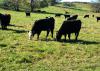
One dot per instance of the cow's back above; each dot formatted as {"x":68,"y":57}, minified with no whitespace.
{"x":44,"y":24}
{"x":70,"y":26}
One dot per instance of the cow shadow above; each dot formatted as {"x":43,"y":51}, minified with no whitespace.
{"x":15,"y":30}
{"x":3,"y":45}
{"x":72,"y":41}
{"x":14,"y":25}
{"x":47,"y":40}
{"x":79,"y":42}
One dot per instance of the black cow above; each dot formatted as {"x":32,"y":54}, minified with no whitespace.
{"x":98,"y":18}
{"x":43,"y":11}
{"x":74,"y":17}
{"x":92,"y":15}
{"x":5,"y":20}
{"x":8,"y":18}
{"x":37,"y":11}
{"x":68,"y":27}
{"x":46,"y":24}
{"x":65,"y":15}
{"x":66,"y":12}
{"x":86,"y":16}
{"x":27,"y":13}
{"x":57,"y":15}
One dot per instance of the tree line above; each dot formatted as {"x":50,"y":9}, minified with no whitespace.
{"x":31,"y":5}
{"x":26,"y":4}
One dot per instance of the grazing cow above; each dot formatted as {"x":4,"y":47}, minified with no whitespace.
{"x":92,"y":15}
{"x":27,"y":13}
{"x":57,"y":15}
{"x":8,"y":18}
{"x":46,"y":24}
{"x":66,"y":12}
{"x":5,"y":20}
{"x":43,"y":11}
{"x":98,"y":18}
{"x":65,"y":15}
{"x":86,"y":16}
{"x":37,"y":11}
{"x":74,"y":17}
{"x":68,"y":27}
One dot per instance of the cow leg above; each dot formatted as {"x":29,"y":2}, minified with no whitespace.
{"x":65,"y":36}
{"x":38,"y":34}
{"x":52,"y":33}
{"x":69,"y":36}
{"x":3,"y":27}
{"x":47,"y":34}
{"x":76,"y":34}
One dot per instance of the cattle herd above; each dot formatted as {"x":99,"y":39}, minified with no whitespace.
{"x":70,"y":25}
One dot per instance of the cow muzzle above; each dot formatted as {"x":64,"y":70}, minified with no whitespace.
{"x":30,"y":35}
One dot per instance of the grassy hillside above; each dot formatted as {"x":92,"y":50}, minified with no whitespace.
{"x":77,"y":8}
{"x":18,"y":53}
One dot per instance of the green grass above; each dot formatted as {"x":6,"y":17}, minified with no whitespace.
{"x":18,"y":53}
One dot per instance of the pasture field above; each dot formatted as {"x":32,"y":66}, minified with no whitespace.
{"x":18,"y":53}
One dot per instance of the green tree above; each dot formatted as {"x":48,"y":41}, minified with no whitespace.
{"x":32,"y":5}
{"x":16,"y":2}
{"x":26,"y":4}
{"x":12,"y":4}
{"x":44,"y":3}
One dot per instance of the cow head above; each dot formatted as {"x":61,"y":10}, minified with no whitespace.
{"x":30,"y":35}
